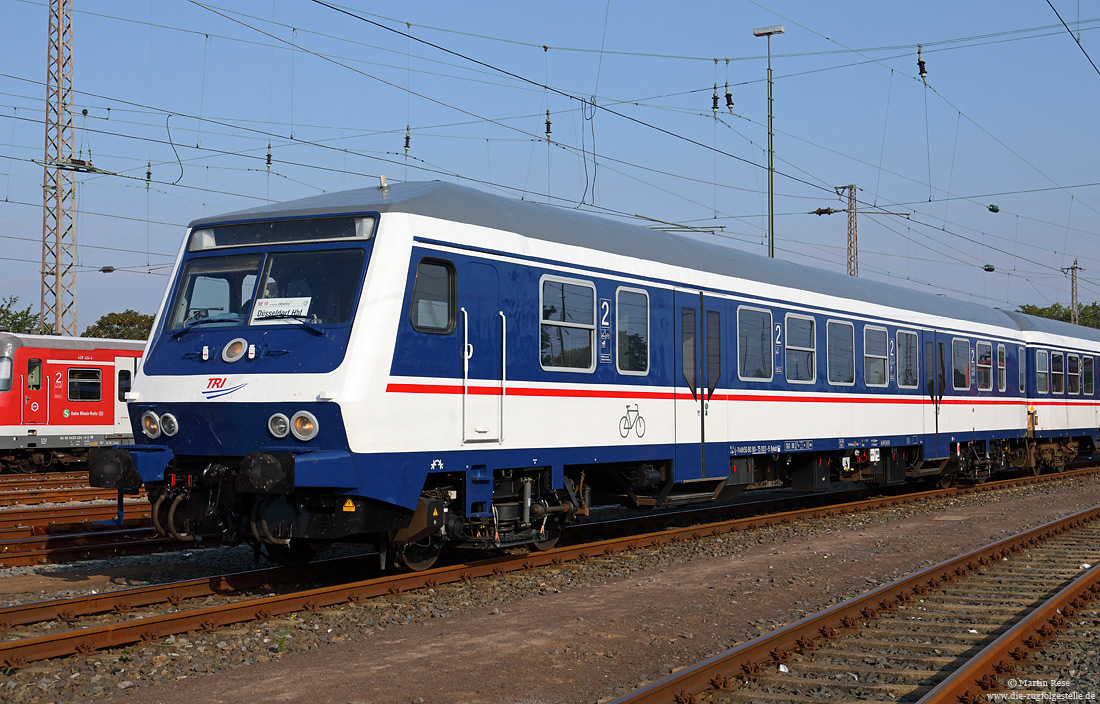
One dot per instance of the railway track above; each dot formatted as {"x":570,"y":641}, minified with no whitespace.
{"x":34,"y":489}
{"x":97,"y":544}
{"x":42,"y":520}
{"x":161,"y":620}
{"x":56,"y":480}
{"x":951,"y":633}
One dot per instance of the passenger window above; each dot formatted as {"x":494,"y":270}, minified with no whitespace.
{"x":1021,"y":358}
{"x":985,"y":366}
{"x":714,"y":350}
{"x":908,"y":374}
{"x":842,"y":352}
{"x":632,"y":331}
{"x":85,"y":385}
{"x":568,"y":328}
{"x":1002,"y":369}
{"x":433,"y":299}
{"x":800,"y":349}
{"x":1073,"y":374}
{"x":960,"y":365}
{"x":34,"y":374}
{"x":1057,"y":372}
{"x":1087,"y":375}
{"x":754,"y":344}
{"x":1042,"y":373}
{"x":875,"y":356}
{"x":125,"y":382}
{"x":688,"y":358}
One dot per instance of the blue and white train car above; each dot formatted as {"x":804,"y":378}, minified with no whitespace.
{"x":424,"y":363}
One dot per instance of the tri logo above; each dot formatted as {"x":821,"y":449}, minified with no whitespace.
{"x":216,"y":387}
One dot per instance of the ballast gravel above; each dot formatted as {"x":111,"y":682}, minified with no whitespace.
{"x":577,"y":632}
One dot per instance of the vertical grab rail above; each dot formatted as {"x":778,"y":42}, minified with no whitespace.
{"x":503,"y":369}
{"x":466,"y":354}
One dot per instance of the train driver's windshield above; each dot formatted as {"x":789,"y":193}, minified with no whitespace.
{"x":315,"y":287}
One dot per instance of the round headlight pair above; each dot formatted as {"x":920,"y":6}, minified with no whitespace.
{"x":154,"y":426}
{"x":303,"y":425}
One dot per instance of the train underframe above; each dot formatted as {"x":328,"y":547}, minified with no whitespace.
{"x":250,"y":501}
{"x":26,"y":461}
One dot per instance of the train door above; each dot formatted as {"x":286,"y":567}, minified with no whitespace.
{"x":483,"y":347}
{"x":125,"y":368}
{"x":936,"y":444}
{"x":699,"y":417}
{"x":36,"y":392}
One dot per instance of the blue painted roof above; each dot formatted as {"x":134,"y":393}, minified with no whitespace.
{"x":447,"y":201}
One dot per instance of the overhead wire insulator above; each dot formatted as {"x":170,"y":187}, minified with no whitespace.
{"x":920,"y":64}
{"x":729,"y":98}
{"x":408,"y":138}
{"x":269,"y":156}
{"x":148,"y":173}
{"x":548,"y":125}
{"x":714,"y":101}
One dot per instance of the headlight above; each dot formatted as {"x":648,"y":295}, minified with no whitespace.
{"x":278,"y":425}
{"x":304,"y":425}
{"x":234,"y":349}
{"x":150,"y":424}
{"x":168,"y":424}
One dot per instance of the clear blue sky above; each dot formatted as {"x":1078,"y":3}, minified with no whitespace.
{"x":1008,"y":117}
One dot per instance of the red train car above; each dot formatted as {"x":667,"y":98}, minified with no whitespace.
{"x":60,"y":396}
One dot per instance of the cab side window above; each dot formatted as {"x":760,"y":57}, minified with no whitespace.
{"x":433,"y":299}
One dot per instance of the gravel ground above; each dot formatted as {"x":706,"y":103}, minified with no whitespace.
{"x":573,"y":633}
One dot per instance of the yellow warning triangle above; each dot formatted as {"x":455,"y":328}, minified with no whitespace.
{"x":349,"y":505}
{"x":435,"y":512}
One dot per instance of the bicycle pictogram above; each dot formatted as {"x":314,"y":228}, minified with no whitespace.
{"x":632,"y":419}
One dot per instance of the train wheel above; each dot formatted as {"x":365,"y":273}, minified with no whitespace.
{"x":417,"y":557}
{"x":946,"y":480}
{"x":550,"y":541}
{"x":1036,"y":470}
{"x":298,"y":553}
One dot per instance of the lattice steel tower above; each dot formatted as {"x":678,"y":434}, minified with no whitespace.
{"x":58,"y":237}
{"x":853,"y":234}
{"x":1074,"y":305}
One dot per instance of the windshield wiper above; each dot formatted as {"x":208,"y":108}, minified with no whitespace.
{"x":306,"y":321}
{"x":226,"y":318}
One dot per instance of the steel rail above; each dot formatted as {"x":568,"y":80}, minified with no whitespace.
{"x":125,"y":600}
{"x":70,"y":547}
{"x":981,"y":673}
{"x":42,"y":518}
{"x":43,"y":481}
{"x":59,"y":495}
{"x":749,"y":659}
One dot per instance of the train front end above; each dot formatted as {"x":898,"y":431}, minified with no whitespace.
{"x":235,"y":411}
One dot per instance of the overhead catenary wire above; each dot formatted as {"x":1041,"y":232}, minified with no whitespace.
{"x":491,"y":179}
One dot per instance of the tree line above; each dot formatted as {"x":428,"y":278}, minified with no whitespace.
{"x":127,"y":325}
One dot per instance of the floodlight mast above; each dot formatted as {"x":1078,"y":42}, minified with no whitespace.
{"x":768,"y":32}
